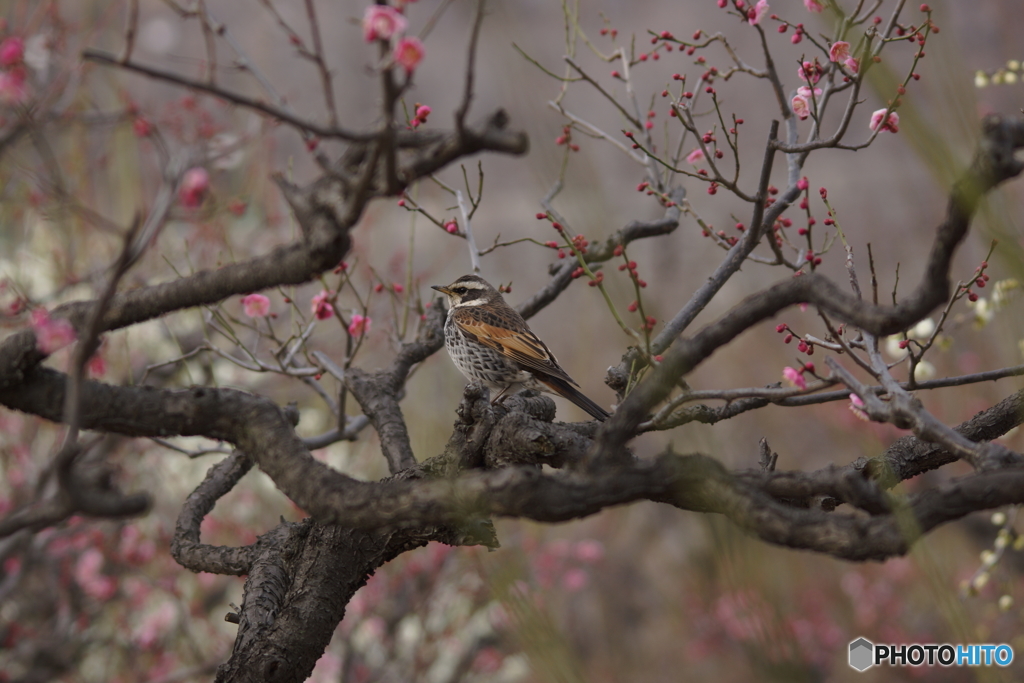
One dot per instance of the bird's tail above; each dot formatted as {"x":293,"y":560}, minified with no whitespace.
{"x":566,"y":390}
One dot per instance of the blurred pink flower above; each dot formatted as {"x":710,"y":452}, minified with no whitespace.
{"x":88,"y":574}
{"x":742,"y":615}
{"x":97,"y":365}
{"x":695,"y":156}
{"x":156,"y":623}
{"x":194,"y":185}
{"x":794,"y":377}
{"x":589,"y":551}
{"x":135,"y":548}
{"x":360,"y":325}
{"x":757,"y":12}
{"x":488,"y":660}
{"x":575,"y":579}
{"x":805,"y":92}
{"x":13,"y":88}
{"x":256,"y":305}
{"x":409,"y":53}
{"x":839,"y":51}
{"x":852,"y":64}
{"x":321,"y":307}
{"x":12,"y":51}
{"x":381,"y":22}
{"x":892,"y":124}
{"x":813,"y":6}
{"x":328,"y":669}
{"x":52,"y":334}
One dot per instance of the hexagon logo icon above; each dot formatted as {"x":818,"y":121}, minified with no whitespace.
{"x":861,"y":654}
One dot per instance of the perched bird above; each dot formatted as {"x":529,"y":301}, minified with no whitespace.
{"x":491,"y":343}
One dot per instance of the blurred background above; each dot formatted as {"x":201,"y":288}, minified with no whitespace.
{"x":641,"y":593}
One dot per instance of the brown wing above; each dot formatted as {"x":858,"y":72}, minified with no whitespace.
{"x":511,"y":337}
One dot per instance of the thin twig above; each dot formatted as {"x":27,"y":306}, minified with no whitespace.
{"x":331,"y":132}
{"x":325,"y":73}
{"x":467,"y":93}
{"x":474,"y":254}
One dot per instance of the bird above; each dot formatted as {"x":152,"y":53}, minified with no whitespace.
{"x":491,"y":343}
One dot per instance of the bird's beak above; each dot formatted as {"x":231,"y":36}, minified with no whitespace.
{"x":443,"y":290}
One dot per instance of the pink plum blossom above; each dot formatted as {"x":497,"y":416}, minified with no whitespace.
{"x":892,"y":124}
{"x":809,"y":72}
{"x":256,"y":305}
{"x":321,"y":307}
{"x":839,"y":51}
{"x":807,"y":93}
{"x":695,"y":156}
{"x":800,"y":107}
{"x":422,"y":112}
{"x":194,"y":185}
{"x":360,"y":325}
{"x":794,"y":377}
{"x":813,"y":6}
{"x":382,"y":22}
{"x":757,"y":12}
{"x":141,"y":127}
{"x":12,"y":51}
{"x":52,"y":334}
{"x":857,"y":407}
{"x":409,"y":53}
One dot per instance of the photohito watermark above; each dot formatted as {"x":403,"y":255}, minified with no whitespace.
{"x":865,"y":654}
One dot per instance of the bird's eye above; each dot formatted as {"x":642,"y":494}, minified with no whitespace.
{"x":459,"y":290}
